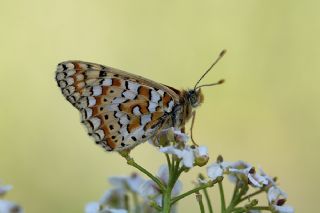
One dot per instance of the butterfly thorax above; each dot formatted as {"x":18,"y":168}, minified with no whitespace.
{"x":190,"y":100}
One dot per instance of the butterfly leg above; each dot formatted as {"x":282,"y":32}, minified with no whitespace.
{"x":191,"y":128}
{"x":155,"y":139}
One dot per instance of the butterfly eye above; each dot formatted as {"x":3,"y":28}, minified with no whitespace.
{"x":193,"y":98}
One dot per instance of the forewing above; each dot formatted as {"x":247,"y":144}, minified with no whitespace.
{"x":119,"y":109}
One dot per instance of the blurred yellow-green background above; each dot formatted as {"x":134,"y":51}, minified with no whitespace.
{"x":267,"y":113}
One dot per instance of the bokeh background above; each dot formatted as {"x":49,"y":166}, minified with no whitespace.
{"x":267,"y":113}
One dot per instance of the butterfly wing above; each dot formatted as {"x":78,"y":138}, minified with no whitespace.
{"x":119,"y":109}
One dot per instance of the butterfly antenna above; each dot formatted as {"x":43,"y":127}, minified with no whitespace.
{"x":214,"y":63}
{"x":209,"y":85}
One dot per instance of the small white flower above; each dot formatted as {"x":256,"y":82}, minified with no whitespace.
{"x":95,"y":207}
{"x":4,"y":189}
{"x":114,"y":198}
{"x":275,"y":193}
{"x":201,"y":155}
{"x":132,"y":182}
{"x":163,"y":173}
{"x":245,"y":172}
{"x":218,"y":168}
{"x":277,"y":199}
{"x":149,"y":189}
{"x":201,"y":151}
{"x":9,"y":207}
{"x":215,"y":170}
{"x":180,"y":137}
{"x":270,"y":179}
{"x":186,"y":154}
{"x":171,"y":150}
{"x":255,"y":179}
{"x":284,"y":209}
{"x":92,"y":207}
{"x":107,"y":210}
{"x":187,"y":157}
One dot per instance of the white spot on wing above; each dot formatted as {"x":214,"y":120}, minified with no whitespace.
{"x":59,"y":68}
{"x":124,"y":120}
{"x":60,"y":76}
{"x":160,"y":92}
{"x":136,"y":110}
{"x":71,"y":72}
{"x":81,"y":84}
{"x":69,"y":90}
{"x":70,"y":81}
{"x":100,"y":133}
{"x":70,"y":65}
{"x":97,"y":90}
{"x":118,"y":100}
{"x":76,"y":95}
{"x":62,"y":84}
{"x":138,"y":134}
{"x":91,"y":101}
{"x":107,"y":82}
{"x":87,"y":114}
{"x":152,"y":106}
{"x":95,"y":122}
{"x":155,"y":97}
{"x":145,"y":119}
{"x":124,"y":132}
{"x":170,"y":106}
{"x":79,"y":77}
{"x":119,"y":114}
{"x":113,"y":107}
{"x":133,"y":86}
{"x":83,"y":66}
{"x":129,"y":95}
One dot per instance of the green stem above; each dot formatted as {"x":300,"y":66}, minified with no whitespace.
{"x":206,"y":195}
{"x":166,"y":200}
{"x":174,"y":174}
{"x":126,"y":202}
{"x":267,"y":208}
{"x":155,"y":205}
{"x":131,"y":162}
{"x":237,"y":197}
{"x":235,"y":191}
{"x":203,"y":186}
{"x":199,"y":199}
{"x":136,"y":203}
{"x":246,"y":208}
{"x":177,"y":172}
{"x":223,"y":201}
{"x":168,"y":162}
{"x":251,"y":195}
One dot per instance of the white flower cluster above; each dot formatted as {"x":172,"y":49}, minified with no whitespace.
{"x":243,"y":173}
{"x":7,"y":206}
{"x":135,"y":194}
{"x":190,"y":155}
{"x":143,"y":192}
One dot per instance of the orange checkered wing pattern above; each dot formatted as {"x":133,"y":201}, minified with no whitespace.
{"x":119,"y":109}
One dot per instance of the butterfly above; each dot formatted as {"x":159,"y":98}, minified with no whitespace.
{"x":121,"y":110}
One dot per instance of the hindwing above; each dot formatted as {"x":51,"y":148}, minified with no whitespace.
{"x":119,"y":109}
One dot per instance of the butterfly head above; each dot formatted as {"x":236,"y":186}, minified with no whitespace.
{"x":194,"y":97}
